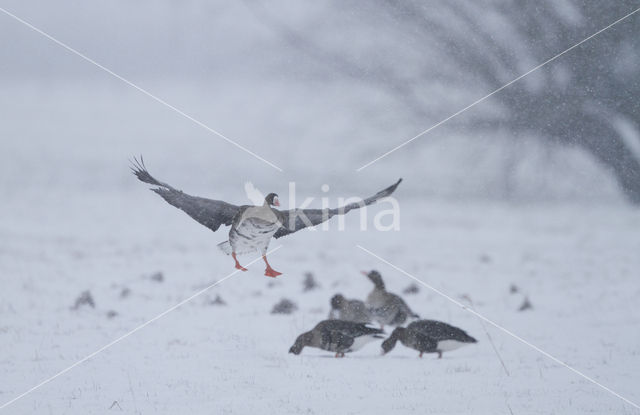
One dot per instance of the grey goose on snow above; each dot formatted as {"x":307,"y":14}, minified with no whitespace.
{"x":349,"y":310}
{"x":252,"y":227}
{"x":337,"y":336}
{"x":385,"y":307}
{"x":428,"y":336}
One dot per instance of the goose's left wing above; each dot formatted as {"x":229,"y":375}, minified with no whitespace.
{"x":296,"y":219}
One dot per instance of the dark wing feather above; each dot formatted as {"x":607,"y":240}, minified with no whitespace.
{"x":208,"y":212}
{"x":438,"y":330}
{"x":336,"y":340}
{"x":421,"y":342}
{"x":402,"y":305}
{"x":348,"y":328}
{"x":296,"y":219}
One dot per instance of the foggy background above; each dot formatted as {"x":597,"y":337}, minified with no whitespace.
{"x":320,"y":89}
{"x":529,"y":197}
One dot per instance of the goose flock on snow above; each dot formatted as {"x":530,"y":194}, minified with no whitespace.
{"x":348,"y":329}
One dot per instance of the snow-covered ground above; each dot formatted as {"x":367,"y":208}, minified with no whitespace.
{"x":73,"y":219}
{"x":578,"y":265}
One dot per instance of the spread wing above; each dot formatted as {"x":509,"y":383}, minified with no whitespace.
{"x":296,"y":219}
{"x":208,"y":212}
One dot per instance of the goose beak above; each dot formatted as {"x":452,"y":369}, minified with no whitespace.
{"x":276,"y":203}
{"x":365,"y":273}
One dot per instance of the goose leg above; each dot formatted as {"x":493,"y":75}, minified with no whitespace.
{"x":238,"y":266}
{"x":270,"y":272}
{"x":420,"y":355}
{"x":439,"y":354}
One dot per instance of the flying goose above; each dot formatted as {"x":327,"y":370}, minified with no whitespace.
{"x":252,"y":227}
{"x":349,"y":310}
{"x":428,"y":336}
{"x":385,"y":307}
{"x":337,"y":336}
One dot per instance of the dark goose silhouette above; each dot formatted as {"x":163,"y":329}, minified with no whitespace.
{"x":428,"y":336}
{"x":337,"y":336}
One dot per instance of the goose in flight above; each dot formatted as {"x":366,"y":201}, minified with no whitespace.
{"x":252,"y":227}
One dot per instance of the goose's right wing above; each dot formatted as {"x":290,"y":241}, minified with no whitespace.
{"x":208,"y":212}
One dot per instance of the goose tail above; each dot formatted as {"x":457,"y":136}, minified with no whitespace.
{"x":225,"y":247}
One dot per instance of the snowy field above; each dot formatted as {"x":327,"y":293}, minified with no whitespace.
{"x":482,"y":210}
{"x":578,"y":265}
{"x":73,"y":219}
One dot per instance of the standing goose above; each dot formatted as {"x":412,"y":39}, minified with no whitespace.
{"x":386,"y":308}
{"x":428,"y":336}
{"x":337,"y":336}
{"x":349,"y":310}
{"x":252,"y":227}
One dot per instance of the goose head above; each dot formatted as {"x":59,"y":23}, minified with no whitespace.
{"x":390,"y":342}
{"x":337,"y":302}
{"x":303,"y":340}
{"x":271,"y":200}
{"x":375,"y":278}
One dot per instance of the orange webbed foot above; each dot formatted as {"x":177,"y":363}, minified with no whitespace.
{"x":270,"y":272}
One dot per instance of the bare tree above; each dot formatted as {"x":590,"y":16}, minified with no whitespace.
{"x":584,"y":98}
